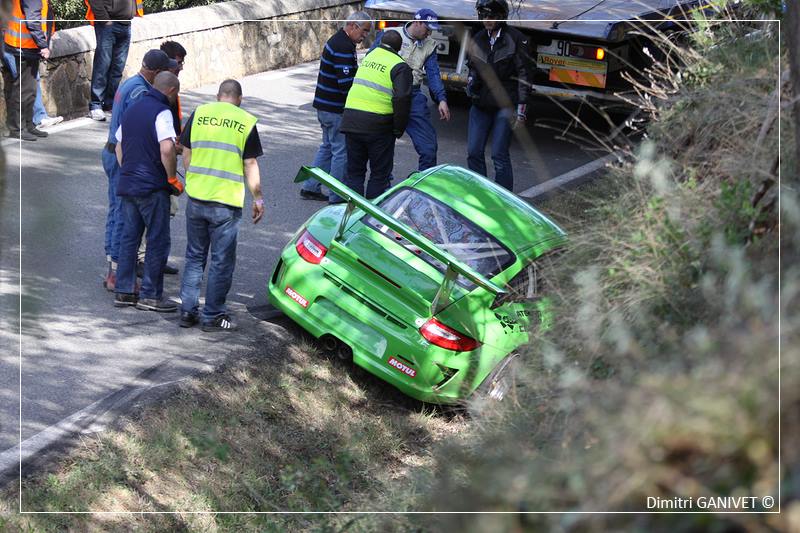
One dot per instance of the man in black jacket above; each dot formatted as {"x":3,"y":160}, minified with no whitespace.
{"x":375,"y":115}
{"x":498,"y":86}
{"x":112,"y":30}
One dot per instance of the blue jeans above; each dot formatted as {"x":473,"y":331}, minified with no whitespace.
{"x":149,"y":212}
{"x":113,"y":41}
{"x":421,"y":131}
{"x":214,"y":228}
{"x":113,"y":220}
{"x":482,"y":124}
{"x":332,"y":154}
{"x":39,"y":112}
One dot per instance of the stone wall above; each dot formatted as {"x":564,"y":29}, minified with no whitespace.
{"x":219,"y":45}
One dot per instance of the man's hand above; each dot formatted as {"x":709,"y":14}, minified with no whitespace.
{"x":258,"y":210}
{"x":444,"y":110}
{"x":519,"y":123}
{"x":45,"y":53}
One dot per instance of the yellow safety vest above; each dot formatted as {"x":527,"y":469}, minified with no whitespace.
{"x":372,"y":87}
{"x":216,"y":170}
{"x":17,"y":34}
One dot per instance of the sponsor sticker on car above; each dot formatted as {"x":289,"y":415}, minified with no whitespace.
{"x":294,"y":295}
{"x":402,"y":367}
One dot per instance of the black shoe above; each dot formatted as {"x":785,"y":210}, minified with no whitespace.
{"x":159,"y":306}
{"x":311,"y":195}
{"x":169,"y":269}
{"x":24,"y":135}
{"x":221,"y":323}
{"x":124,"y":300}
{"x":187,"y":319}
{"x":37,"y":132}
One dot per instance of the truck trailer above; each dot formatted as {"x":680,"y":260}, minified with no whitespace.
{"x":578,"y":49}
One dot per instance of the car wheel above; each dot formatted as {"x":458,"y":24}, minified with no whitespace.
{"x":497,"y":386}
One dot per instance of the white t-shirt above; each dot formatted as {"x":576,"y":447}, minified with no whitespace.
{"x":165,"y":129}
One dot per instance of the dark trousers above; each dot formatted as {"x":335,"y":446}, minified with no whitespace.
{"x":110,"y":55}
{"x":149,"y":212}
{"x":377,"y":149}
{"x":21,"y":93}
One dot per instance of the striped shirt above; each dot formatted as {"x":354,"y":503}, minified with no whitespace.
{"x":337,"y":67}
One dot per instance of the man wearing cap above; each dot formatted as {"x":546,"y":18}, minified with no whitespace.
{"x":154,"y":62}
{"x":419,"y":51}
{"x":148,"y":166}
{"x":375,"y":114}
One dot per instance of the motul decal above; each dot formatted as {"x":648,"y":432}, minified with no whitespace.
{"x":405,"y":369}
{"x":296,"y":297}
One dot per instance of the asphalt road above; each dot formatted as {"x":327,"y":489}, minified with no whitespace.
{"x":75,"y":348}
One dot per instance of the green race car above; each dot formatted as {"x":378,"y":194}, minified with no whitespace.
{"x":432,"y":287}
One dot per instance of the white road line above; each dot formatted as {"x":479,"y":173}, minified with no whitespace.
{"x":568,"y":177}
{"x":85,"y":421}
{"x":58,"y":128}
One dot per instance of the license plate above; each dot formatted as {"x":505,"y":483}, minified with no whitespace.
{"x":442,"y":42}
{"x":548,"y":61}
{"x":587,"y":79}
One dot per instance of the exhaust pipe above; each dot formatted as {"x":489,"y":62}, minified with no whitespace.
{"x":344,"y":352}
{"x":329,"y":343}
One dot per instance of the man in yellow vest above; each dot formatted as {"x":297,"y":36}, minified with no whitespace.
{"x":375,"y":115}
{"x":221,"y":145}
{"x":27,"y":38}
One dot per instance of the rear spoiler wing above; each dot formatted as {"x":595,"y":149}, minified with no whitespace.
{"x":354,"y":200}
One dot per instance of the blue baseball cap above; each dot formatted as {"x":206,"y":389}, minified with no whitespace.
{"x":428,"y":17}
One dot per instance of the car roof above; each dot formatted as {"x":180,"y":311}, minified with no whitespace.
{"x":507,"y":217}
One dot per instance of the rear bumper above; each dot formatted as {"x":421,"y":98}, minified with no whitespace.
{"x":375,"y":341}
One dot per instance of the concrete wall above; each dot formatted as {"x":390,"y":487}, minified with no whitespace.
{"x":219,"y":45}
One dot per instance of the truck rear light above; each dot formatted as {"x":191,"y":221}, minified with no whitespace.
{"x":310,"y":248}
{"x":587,"y":52}
{"x":383,"y":24}
{"x":446,"y":337}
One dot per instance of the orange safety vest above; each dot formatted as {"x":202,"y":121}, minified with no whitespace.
{"x":90,"y":14}
{"x":17,"y":34}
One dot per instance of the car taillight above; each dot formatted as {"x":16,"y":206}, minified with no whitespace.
{"x":446,"y":337}
{"x":310,"y":248}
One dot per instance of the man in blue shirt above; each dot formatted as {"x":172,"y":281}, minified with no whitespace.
{"x":419,"y":51}
{"x":132,"y":89}
{"x":337,"y":68}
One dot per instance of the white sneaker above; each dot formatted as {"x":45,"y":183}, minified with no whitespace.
{"x":50,"y":121}
{"x":97,"y":114}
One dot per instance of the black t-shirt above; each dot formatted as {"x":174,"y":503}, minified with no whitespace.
{"x":252,"y":146}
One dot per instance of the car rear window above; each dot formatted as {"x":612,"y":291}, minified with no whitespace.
{"x":451,"y":231}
